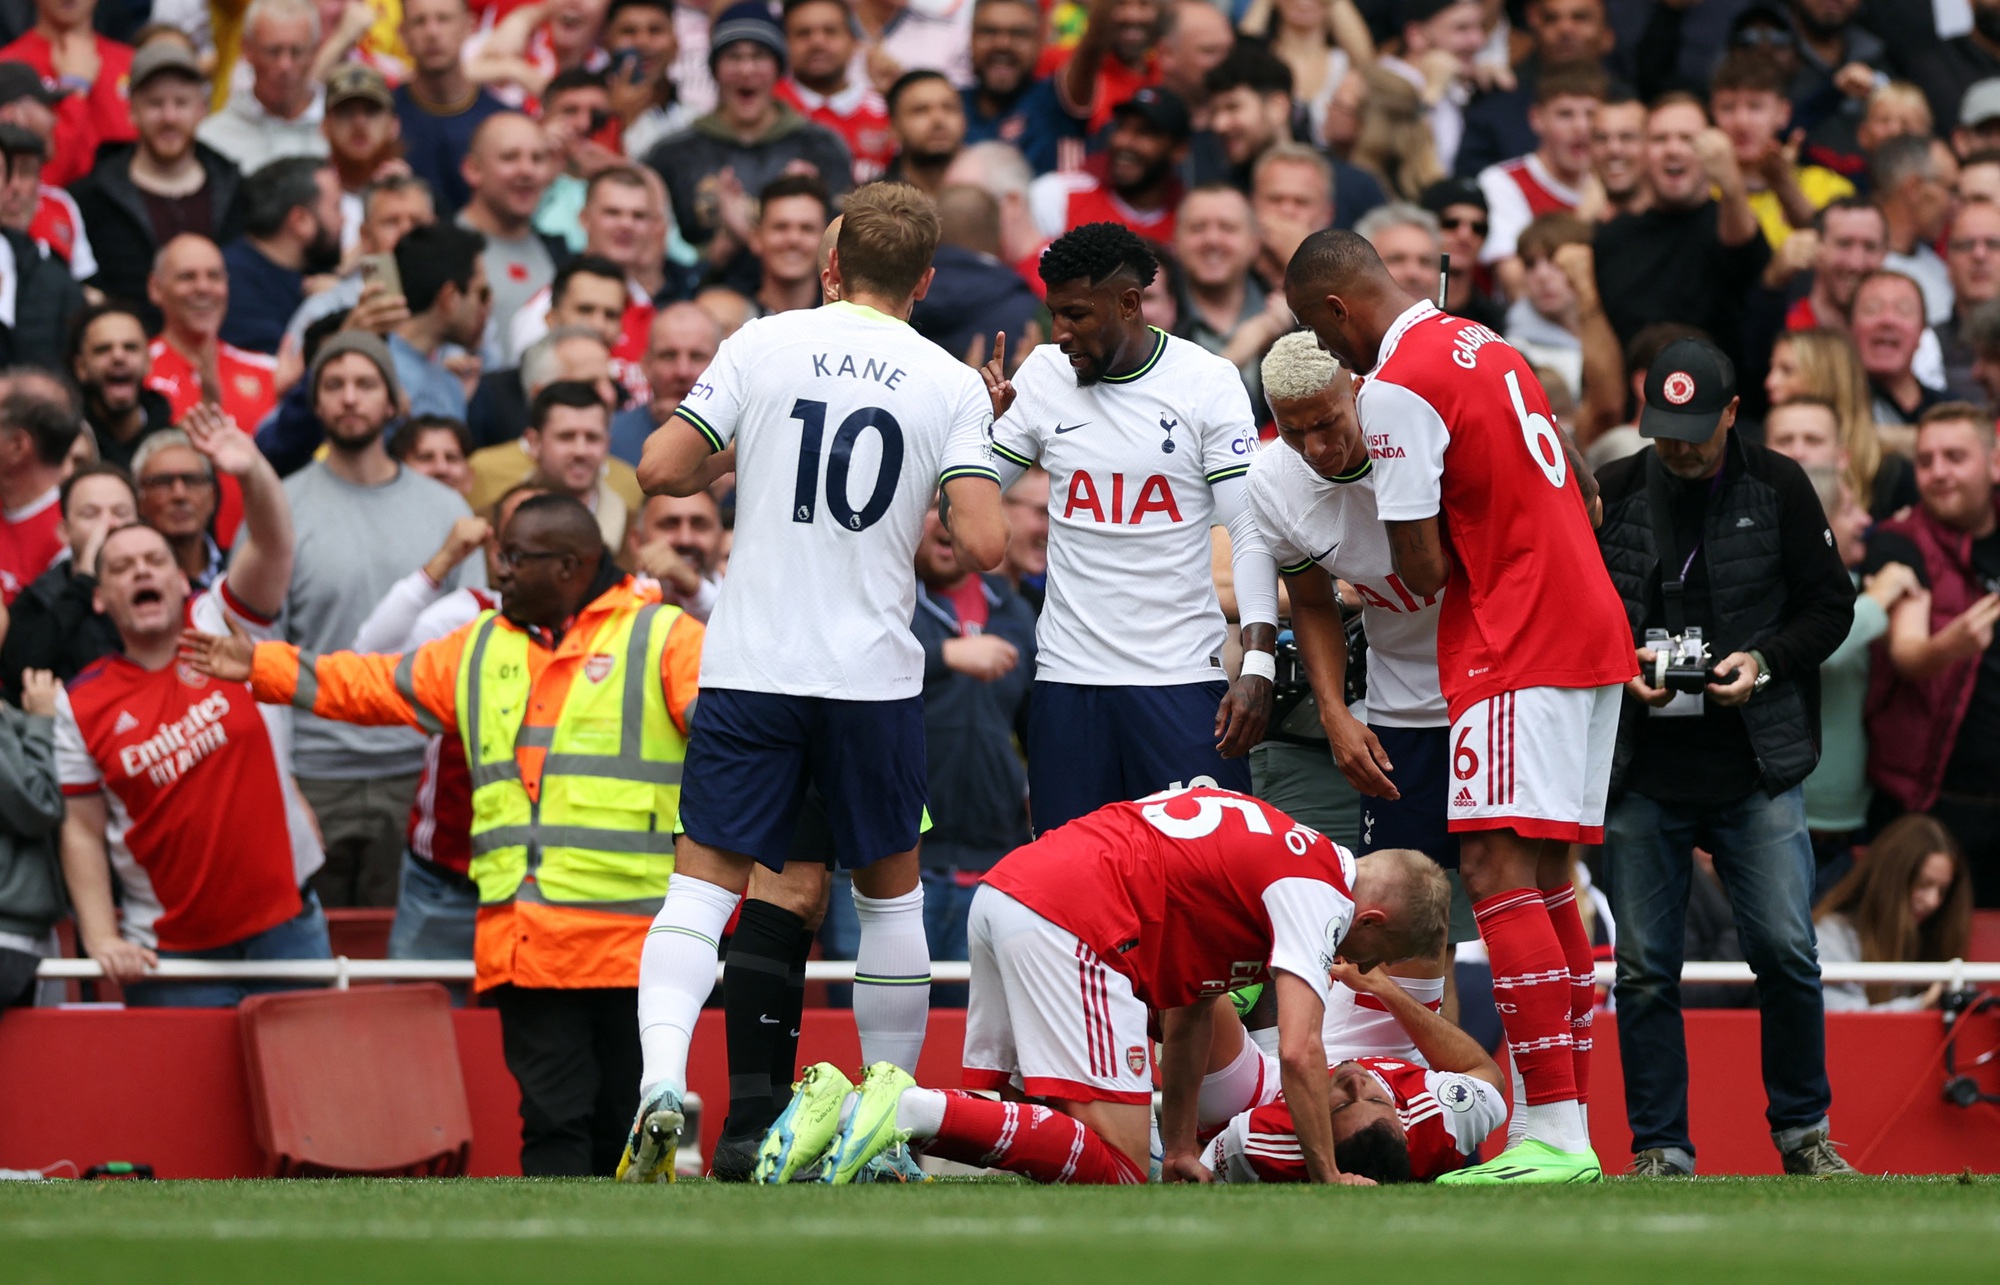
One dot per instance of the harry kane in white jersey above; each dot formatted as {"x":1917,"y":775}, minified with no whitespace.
{"x":1312,"y":496}
{"x":841,"y":423}
{"x":1146,"y":439}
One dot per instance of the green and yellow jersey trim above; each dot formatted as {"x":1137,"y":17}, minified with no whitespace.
{"x":1159,"y":350}
{"x":709,"y":435}
{"x":1012,"y":457}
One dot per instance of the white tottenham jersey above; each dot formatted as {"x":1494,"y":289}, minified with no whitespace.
{"x":846,"y":421}
{"x":1131,"y":598}
{"x":1308,"y":519}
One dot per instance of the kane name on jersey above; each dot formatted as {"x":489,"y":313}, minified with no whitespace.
{"x":845,"y":423}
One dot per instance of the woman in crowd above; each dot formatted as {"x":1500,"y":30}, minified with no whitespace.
{"x":1824,"y":364}
{"x":1392,"y":137}
{"x":1324,"y":42}
{"x":1909,"y":900}
{"x":1837,"y":794}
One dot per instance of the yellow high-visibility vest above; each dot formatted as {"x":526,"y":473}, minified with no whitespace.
{"x":602,"y":831}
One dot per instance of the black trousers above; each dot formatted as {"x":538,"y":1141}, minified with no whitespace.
{"x":1975,"y":823}
{"x":575,"y":1054}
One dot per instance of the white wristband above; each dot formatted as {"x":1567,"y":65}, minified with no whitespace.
{"x":1260,"y":664}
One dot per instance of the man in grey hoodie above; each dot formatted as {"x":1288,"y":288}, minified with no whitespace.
{"x":714,"y":167}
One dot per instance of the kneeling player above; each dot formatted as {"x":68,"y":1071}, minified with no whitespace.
{"x":1162,"y":905}
{"x":1407,"y":1114}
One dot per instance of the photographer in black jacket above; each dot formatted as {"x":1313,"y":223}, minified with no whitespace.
{"x":1736,"y":593}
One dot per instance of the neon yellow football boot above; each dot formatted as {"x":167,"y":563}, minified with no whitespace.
{"x":870,"y":1128}
{"x":1529,"y":1161}
{"x":806,"y":1126}
{"x":655,"y":1137}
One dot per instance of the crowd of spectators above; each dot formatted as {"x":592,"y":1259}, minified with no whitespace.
{"x":317,"y":292}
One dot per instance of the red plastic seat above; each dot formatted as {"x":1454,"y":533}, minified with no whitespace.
{"x":357,"y":1082}
{"x":360,"y":932}
{"x":1985,"y":944}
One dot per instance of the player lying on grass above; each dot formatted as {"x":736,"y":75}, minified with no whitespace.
{"x":1356,"y":1024}
{"x":1159,"y":905}
{"x":1402,"y":1112}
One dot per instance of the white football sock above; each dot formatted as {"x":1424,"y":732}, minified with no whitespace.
{"x":921,"y":1111}
{"x":1232,"y":1090}
{"x":892,"y":978}
{"x":676,"y":974}
{"x":1559,"y":1124}
{"x":1517,"y":1119}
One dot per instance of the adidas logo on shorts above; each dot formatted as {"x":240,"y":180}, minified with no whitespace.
{"x":1464,"y":799}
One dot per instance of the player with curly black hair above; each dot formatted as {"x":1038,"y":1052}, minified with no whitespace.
{"x":1146,"y":439}
{"x":1097,"y":263}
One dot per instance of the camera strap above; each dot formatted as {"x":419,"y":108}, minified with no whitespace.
{"x":1659,"y":504}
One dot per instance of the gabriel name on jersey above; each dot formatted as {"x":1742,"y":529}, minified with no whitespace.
{"x":1460,"y":430}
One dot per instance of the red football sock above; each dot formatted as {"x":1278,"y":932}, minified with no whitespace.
{"x":1045,"y":1145}
{"x":1531,"y":989}
{"x":1582,"y":964}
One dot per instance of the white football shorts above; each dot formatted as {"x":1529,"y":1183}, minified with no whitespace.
{"x":1046,"y":1015}
{"x":1535,"y":761}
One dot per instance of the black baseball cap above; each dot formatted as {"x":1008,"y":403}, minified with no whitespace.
{"x":1447,"y":192}
{"x":1425,"y":10}
{"x":16,"y":140}
{"x":1160,"y":109}
{"x":1688,"y":387}
{"x":18,"y":80}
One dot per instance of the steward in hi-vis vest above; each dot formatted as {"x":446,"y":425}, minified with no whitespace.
{"x":572,"y":704}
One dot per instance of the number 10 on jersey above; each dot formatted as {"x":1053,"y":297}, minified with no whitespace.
{"x":805,"y":495}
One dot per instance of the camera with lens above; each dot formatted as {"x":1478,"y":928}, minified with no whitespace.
{"x":1294,"y":709}
{"x":1681,"y":662}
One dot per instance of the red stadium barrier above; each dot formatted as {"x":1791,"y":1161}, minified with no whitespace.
{"x":360,"y":932}
{"x":1985,"y":943}
{"x":167,"y":1088}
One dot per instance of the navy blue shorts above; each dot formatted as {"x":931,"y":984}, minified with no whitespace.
{"x":1422,"y":777}
{"x":1089,"y":746}
{"x":751,"y":756}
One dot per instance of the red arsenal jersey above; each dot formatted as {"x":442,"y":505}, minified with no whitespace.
{"x":1542,"y":194}
{"x":248,"y":391}
{"x":208,"y":836}
{"x":1445,"y":1116}
{"x":57,"y":226}
{"x":1091,"y":200}
{"x":84,"y":120}
{"x":440,"y":826}
{"x":1459,"y":428}
{"x":29,"y":544}
{"x":1191,"y":893}
{"x":857,"y":113}
{"x":248,"y":394}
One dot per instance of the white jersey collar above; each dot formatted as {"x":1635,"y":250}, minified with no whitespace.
{"x":1416,"y":312}
{"x":864,"y":311}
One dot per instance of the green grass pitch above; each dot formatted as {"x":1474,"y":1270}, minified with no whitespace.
{"x":298,"y":1233}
